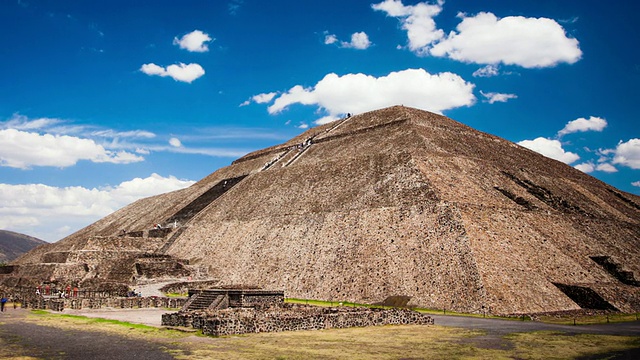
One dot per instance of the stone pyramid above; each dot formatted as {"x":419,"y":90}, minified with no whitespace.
{"x":393,"y":202}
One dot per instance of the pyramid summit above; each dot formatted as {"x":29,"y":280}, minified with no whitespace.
{"x":393,"y":202}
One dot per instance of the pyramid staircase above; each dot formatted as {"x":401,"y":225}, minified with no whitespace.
{"x":206,"y":301}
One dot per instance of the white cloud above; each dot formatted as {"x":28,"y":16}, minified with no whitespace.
{"x":356,"y":93}
{"x":589,"y":167}
{"x":180,"y":72}
{"x":417,"y":20}
{"x":498,"y":97}
{"x":330,"y":39}
{"x":303,"y":126}
{"x":51,"y":213}
{"x":194,"y":41}
{"x":636,"y":183}
{"x":513,"y":40}
{"x":264,"y":98}
{"x":153,"y":69}
{"x":20,"y":149}
{"x":485,"y":38}
{"x":260,"y":98}
{"x":21,"y":122}
{"x":486,"y":71}
{"x":550,"y":148}
{"x":326,"y":119}
{"x":582,"y":125}
{"x":175,"y":142}
{"x":585,"y":167}
{"x":359,"y":41}
{"x":628,"y":154}
{"x":124,"y":134}
{"x":606,"y":167}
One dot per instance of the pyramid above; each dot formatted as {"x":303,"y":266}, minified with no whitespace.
{"x":393,"y":202}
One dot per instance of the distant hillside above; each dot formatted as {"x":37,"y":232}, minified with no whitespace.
{"x":13,"y":244}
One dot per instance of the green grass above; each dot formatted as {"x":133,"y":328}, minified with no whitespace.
{"x":422,"y":310}
{"x":590,"y":319}
{"x":176,"y":295}
{"x":90,"y":320}
{"x":563,"y":320}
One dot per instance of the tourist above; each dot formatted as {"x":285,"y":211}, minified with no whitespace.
{"x":3,"y":301}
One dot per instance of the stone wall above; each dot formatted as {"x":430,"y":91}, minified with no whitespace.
{"x":261,"y":300}
{"x":58,"y":304}
{"x":290,"y":317}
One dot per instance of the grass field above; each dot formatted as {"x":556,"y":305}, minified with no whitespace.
{"x":383,"y":342}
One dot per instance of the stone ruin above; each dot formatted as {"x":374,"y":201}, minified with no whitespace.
{"x":240,"y":311}
{"x":396,"y":201}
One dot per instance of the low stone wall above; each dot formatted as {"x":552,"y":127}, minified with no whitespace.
{"x":58,"y":304}
{"x":290,"y":317}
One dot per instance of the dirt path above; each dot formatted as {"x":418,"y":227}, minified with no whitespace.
{"x":503,"y":327}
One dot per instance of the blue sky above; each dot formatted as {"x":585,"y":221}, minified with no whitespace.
{"x":105,"y":102}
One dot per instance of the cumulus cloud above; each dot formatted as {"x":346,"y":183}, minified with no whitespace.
{"x":606,"y":167}
{"x":550,"y":148}
{"x":628,"y":154}
{"x":326,"y":119}
{"x":513,"y":40}
{"x":179,"y":72}
{"x":20,"y":149}
{"x":194,"y":41}
{"x":636,"y":183}
{"x":582,"y":125}
{"x":589,"y":167}
{"x":493,"y":97}
{"x":586,"y":167}
{"x":417,"y":20}
{"x":51,"y":213}
{"x":359,"y":41}
{"x":330,"y":39}
{"x":486,"y":71}
{"x":264,"y":98}
{"x":175,"y":142}
{"x":260,"y":98}
{"x":355,"y":93}
{"x":485,"y":38}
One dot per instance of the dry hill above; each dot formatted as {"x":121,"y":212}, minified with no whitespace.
{"x":396,"y":201}
{"x":13,"y":244}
